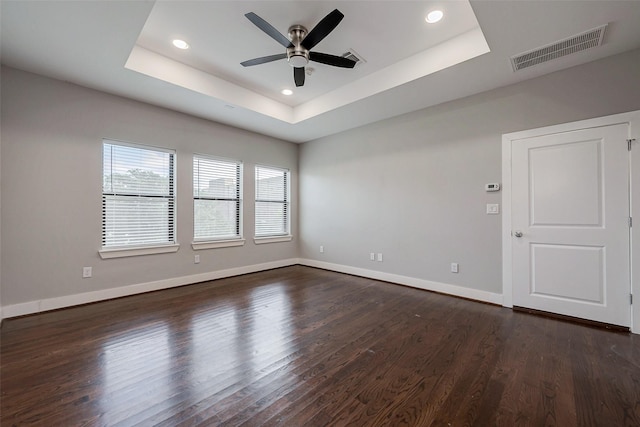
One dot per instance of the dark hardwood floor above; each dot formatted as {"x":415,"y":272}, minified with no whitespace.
{"x":299,"y":346}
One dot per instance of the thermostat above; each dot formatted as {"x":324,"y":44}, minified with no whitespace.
{"x":494,"y":186}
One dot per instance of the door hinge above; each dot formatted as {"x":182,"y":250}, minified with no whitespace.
{"x":630,"y":222}
{"x":631,"y":299}
{"x":629,"y":141}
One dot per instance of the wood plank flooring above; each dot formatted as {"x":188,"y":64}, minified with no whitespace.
{"x":299,"y":346}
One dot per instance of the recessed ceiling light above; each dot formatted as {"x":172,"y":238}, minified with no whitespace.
{"x":434,"y":16}
{"x":181,"y":44}
{"x":287,"y":92}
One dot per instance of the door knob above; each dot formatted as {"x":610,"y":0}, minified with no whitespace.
{"x":518,"y":233}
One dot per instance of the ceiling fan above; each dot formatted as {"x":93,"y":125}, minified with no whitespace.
{"x":299,"y":44}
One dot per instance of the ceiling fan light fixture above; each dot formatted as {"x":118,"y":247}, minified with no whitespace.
{"x":434,"y":16}
{"x":298,"y":60}
{"x":180,"y":44}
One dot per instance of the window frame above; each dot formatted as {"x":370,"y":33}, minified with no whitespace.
{"x":222,"y":241}
{"x":118,"y":251}
{"x":274,"y":237}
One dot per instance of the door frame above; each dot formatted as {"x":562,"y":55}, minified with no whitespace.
{"x":633,"y":120}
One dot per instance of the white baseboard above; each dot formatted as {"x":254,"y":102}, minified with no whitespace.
{"x":444,"y":288}
{"x":38,"y":306}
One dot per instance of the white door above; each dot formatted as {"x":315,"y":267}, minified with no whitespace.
{"x":570,"y":224}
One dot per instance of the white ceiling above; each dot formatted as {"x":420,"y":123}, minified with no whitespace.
{"x":225,"y":38}
{"x":125,"y":48}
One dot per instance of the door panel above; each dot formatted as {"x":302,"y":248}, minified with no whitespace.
{"x":571,"y":206}
{"x":553,"y":273}
{"x":550,"y":184}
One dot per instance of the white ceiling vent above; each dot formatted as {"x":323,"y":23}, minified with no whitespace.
{"x":354,"y":56}
{"x":577,"y":43}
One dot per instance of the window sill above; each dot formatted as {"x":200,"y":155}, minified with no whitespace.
{"x":143,"y":250}
{"x":213,"y":244}
{"x":272,"y":239}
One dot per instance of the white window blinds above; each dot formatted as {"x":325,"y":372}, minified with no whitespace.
{"x":272,"y":202}
{"x":138,"y":198}
{"x":217,"y":199}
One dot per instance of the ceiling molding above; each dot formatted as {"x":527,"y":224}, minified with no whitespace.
{"x":444,"y":55}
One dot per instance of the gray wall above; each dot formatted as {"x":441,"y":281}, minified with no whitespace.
{"x":51,"y":166}
{"x":1,"y":317}
{"x":412,"y":187}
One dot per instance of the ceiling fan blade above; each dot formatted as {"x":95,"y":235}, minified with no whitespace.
{"x":323,"y":29}
{"x":298,"y":76}
{"x":336,"y":61}
{"x":263,"y":60}
{"x":268,"y":28}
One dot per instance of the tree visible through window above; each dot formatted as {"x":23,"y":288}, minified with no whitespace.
{"x":138,"y":198}
{"x":217,"y":190}
{"x":272,"y":201}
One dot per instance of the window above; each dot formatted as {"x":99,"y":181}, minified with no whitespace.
{"x":217,"y":199}
{"x":138,"y":198}
{"x":272,"y":202}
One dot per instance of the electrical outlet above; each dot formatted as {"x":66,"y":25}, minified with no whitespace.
{"x":454,"y":267}
{"x":196,"y":259}
{"x":379,"y":257}
{"x":372,"y":256}
{"x":493,"y":208}
{"x":321,"y":249}
{"x":86,"y":272}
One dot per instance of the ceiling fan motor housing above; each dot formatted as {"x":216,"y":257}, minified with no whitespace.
{"x":297,"y":55}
